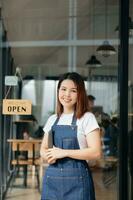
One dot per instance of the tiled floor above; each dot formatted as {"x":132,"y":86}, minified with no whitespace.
{"x":103,"y":191}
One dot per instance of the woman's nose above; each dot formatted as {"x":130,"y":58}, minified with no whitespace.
{"x":67,"y":93}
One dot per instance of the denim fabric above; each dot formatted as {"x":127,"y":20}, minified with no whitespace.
{"x":67,"y":179}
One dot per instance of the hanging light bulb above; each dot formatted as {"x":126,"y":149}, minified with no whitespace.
{"x":93,"y":62}
{"x":106,"y":49}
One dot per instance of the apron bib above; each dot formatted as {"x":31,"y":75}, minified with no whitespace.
{"x":67,"y":179}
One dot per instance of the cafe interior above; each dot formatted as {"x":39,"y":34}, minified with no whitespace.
{"x":40,"y":40}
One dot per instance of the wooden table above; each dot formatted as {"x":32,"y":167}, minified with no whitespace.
{"x":30,"y":146}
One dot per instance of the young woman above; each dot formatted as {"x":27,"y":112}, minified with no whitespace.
{"x":76,"y":139}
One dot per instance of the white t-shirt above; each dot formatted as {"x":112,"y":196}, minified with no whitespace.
{"x":86,"y":124}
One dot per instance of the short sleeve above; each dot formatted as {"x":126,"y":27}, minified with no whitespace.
{"x":49,"y":123}
{"x":89,"y":123}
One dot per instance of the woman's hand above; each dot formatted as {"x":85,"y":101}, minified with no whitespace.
{"x":45,"y":157}
{"x":55,"y":153}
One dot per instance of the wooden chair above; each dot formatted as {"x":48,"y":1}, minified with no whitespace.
{"x":26,"y":152}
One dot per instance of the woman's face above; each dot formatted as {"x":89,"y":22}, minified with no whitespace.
{"x":68,"y":94}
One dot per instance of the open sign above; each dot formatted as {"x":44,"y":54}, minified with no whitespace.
{"x":16,"y":107}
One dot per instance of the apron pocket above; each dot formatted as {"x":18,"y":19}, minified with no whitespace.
{"x":66,"y":188}
{"x":69,"y":143}
{"x":72,"y":188}
{"x":52,"y":188}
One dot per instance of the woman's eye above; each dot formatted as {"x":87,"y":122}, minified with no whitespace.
{"x":63,"y":89}
{"x":74,"y":91}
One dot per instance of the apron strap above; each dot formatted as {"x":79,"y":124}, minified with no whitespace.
{"x":56,"y":121}
{"x":73,"y":123}
{"x":74,"y":119}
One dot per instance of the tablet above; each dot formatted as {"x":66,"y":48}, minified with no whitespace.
{"x":50,"y":139}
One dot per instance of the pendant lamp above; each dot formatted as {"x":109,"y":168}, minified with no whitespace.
{"x":106,"y":49}
{"x":93,"y":62}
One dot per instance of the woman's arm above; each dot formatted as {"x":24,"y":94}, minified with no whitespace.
{"x":44,"y":146}
{"x":92,"y":152}
{"x":94,"y":148}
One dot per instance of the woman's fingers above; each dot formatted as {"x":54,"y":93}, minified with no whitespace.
{"x":51,"y":161}
{"x":50,"y":156}
{"x":55,"y":153}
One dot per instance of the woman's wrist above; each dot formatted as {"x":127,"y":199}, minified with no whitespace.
{"x":66,"y":154}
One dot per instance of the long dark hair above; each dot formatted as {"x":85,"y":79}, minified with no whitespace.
{"x":82,"y":101}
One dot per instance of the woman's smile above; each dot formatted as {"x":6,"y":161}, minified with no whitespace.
{"x":66,"y":100}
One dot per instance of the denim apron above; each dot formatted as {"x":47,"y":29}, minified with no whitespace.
{"x":67,"y":179}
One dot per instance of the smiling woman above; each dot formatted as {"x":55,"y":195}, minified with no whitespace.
{"x":42,"y":39}
{"x":76,"y":139}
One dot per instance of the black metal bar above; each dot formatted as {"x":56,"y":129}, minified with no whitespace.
{"x":123,"y":95}
{"x":2,"y":73}
{"x":8,"y":185}
{"x":1,"y":117}
{"x":33,"y":156}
